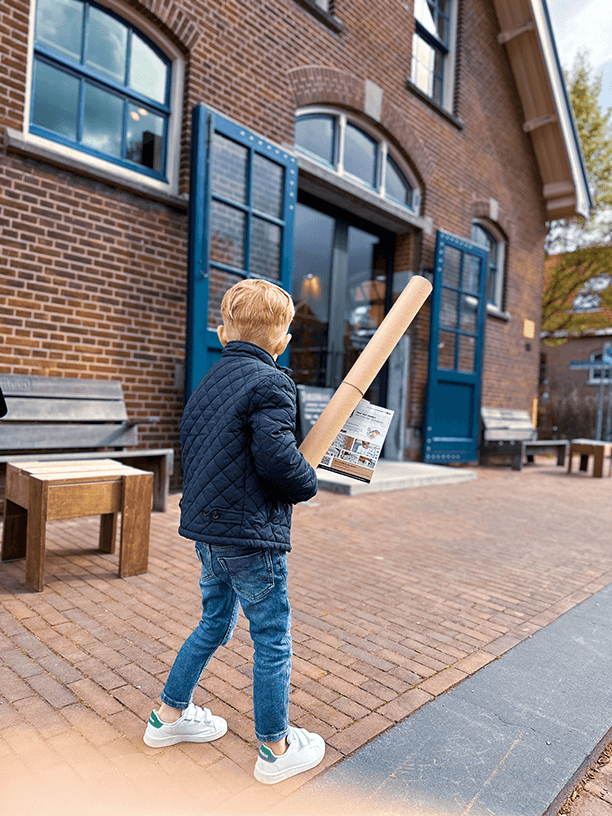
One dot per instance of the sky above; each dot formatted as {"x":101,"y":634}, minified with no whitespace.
{"x":579,"y":24}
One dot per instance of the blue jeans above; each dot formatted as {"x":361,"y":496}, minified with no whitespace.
{"x":257,"y":581}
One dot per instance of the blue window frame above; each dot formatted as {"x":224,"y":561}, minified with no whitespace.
{"x":100,"y":85}
{"x":430,"y":47}
{"x":243,"y":194}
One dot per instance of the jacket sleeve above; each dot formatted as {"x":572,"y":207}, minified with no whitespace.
{"x":278,"y":461}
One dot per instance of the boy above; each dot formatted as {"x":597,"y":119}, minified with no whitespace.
{"x":242,"y":471}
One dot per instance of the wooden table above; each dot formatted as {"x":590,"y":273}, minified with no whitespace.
{"x":590,"y":447}
{"x":40,"y":491}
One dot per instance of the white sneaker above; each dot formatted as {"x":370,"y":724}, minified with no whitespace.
{"x":305,"y":751}
{"x":194,"y":725}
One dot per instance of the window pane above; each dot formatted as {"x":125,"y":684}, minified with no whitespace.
{"x":102,"y":121}
{"x":145,"y":137}
{"x":229,"y":169}
{"x":265,"y":249}
{"x":59,"y":25}
{"x":451,"y":272}
{"x":469,"y":312}
{"x":267,"y":186}
{"x":148,"y":72}
{"x":227,"y":234}
{"x":106,"y":44}
{"x":471,"y":274}
{"x":360,"y":155}
{"x":396,"y":187}
{"x":312,"y":258}
{"x":423,"y":59}
{"x":316,"y":135}
{"x":56,"y":100}
{"x":449,"y":308}
{"x":467,"y":353}
{"x":446,"y":350}
{"x":424,"y":14}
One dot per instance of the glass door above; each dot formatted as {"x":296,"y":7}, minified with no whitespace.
{"x":340,"y":275}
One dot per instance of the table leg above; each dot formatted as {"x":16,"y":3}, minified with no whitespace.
{"x":584,"y":462}
{"x":135,"y":524}
{"x":598,"y":460}
{"x":14,"y":535}
{"x":570,"y":455}
{"x":37,"y":523}
{"x":108,"y":532}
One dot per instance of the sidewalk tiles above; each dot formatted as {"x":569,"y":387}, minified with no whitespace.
{"x":397,"y":598}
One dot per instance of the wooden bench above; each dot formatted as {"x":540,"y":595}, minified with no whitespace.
{"x":37,"y":492}
{"x":590,"y":447}
{"x":60,"y":418}
{"x":509,"y":433}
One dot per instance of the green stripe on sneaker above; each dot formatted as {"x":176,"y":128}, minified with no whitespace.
{"x":155,"y":721}
{"x":266,"y":753}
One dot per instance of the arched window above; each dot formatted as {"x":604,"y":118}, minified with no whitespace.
{"x":493,"y":242}
{"x":101,"y":86}
{"x":356,"y":152}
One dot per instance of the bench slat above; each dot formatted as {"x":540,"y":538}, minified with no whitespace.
{"x":42,"y":437}
{"x":39,"y":409}
{"x":13,"y":385}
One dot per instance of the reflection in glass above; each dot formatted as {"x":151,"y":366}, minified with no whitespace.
{"x":267,"y":186}
{"x":471,"y":274}
{"x":427,"y":68}
{"x":433,"y":16}
{"x":148,"y":71}
{"x":467,"y":353}
{"x":396,"y":186}
{"x":229,"y":169}
{"x":55,"y":104}
{"x":360,"y":154}
{"x":451,"y":272}
{"x":265,"y":249}
{"x":59,"y":24}
{"x":469,"y":313}
{"x":312,"y":259}
{"x":446,"y":350}
{"x":449,"y":308}
{"x":102,"y":120}
{"x":227,"y":234}
{"x":145,"y":137}
{"x":481,"y":236}
{"x":312,"y":253}
{"x":315,"y":134}
{"x":106,"y":44}
{"x":365,"y":306}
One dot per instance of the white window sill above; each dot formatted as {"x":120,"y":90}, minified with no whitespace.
{"x":493,"y":311}
{"x":17,"y":142}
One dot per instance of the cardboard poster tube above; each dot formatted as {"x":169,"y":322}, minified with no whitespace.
{"x":368,"y":364}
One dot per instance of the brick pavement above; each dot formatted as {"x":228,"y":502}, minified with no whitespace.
{"x":396,"y":598}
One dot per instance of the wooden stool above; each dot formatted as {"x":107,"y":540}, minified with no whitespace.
{"x":39,"y":491}
{"x":589,"y":447}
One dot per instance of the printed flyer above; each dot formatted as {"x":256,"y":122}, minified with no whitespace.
{"x":355,"y":451}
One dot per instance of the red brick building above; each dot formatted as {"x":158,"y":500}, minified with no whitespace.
{"x":342,"y":147}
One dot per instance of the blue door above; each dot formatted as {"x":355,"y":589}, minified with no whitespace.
{"x":243,"y":192}
{"x":456,"y":342}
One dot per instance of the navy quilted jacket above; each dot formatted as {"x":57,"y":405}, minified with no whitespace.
{"x":242,"y":470}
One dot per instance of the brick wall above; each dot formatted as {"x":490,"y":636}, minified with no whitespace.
{"x":94,"y":278}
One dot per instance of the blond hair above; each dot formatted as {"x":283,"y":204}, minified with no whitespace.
{"x":257,"y":311}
